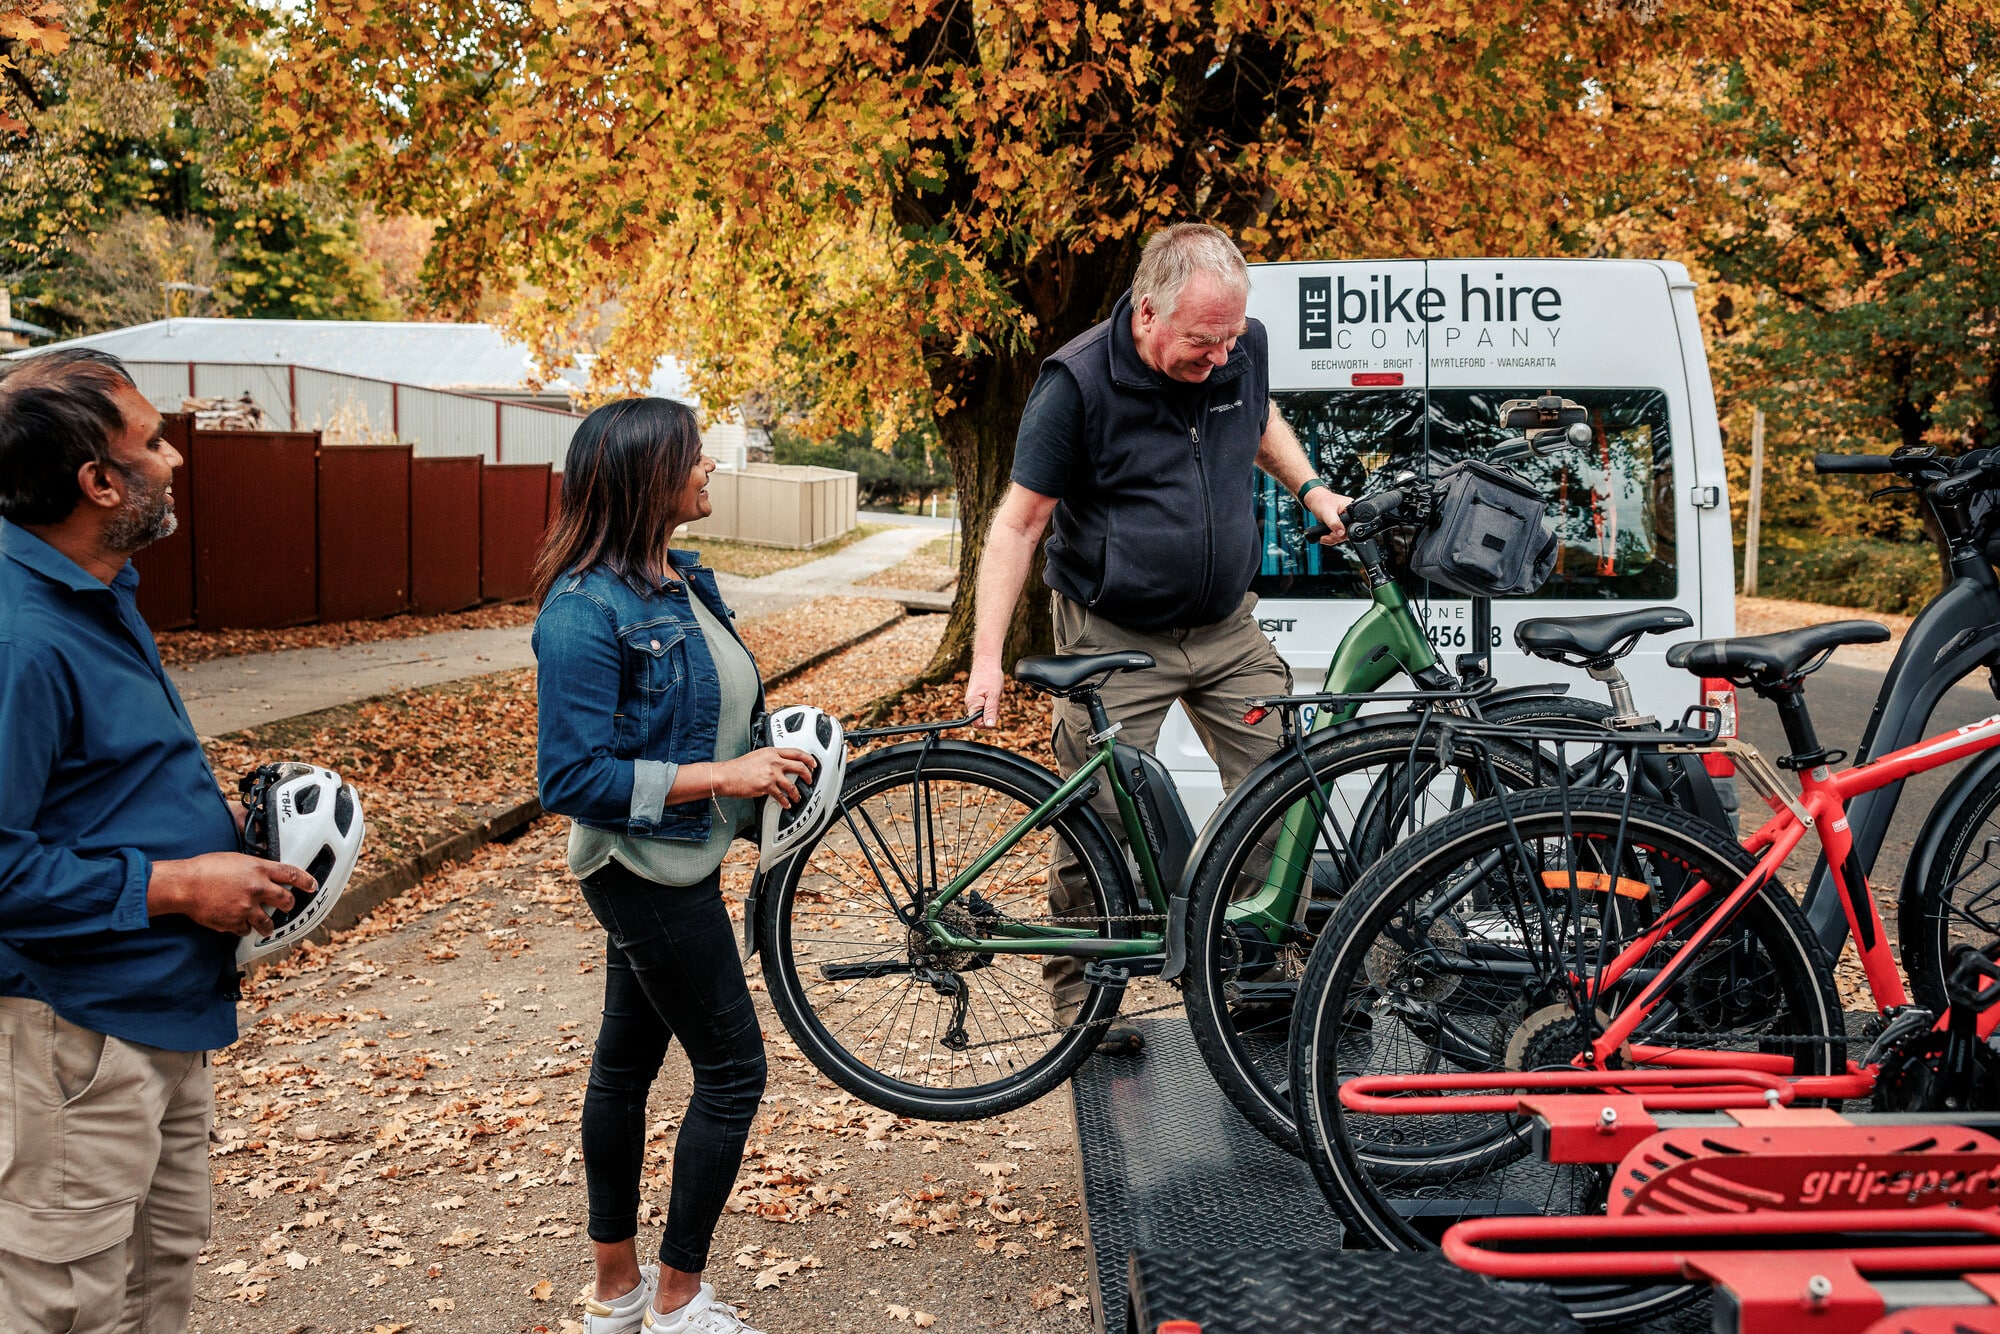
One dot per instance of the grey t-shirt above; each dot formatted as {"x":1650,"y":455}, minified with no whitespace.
{"x":674,"y":863}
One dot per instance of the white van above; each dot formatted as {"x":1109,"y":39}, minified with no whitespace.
{"x":1381,"y":361}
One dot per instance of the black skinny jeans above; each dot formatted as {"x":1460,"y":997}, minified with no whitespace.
{"x":670,"y":972}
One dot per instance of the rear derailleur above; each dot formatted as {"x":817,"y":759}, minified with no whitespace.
{"x":1927,"y":1069}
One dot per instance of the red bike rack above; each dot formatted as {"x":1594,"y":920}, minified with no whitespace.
{"x":1772,"y":1291}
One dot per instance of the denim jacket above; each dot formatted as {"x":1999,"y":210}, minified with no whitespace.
{"x":628,"y":694}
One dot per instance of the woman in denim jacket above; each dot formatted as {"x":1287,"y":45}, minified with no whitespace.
{"x":646,"y":698}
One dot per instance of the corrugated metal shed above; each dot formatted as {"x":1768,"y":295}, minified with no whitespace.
{"x":435,"y":356}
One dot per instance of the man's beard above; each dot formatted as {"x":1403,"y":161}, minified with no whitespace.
{"x":144,"y":518}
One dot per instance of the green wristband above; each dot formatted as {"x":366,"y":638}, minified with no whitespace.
{"x":1309,"y":484}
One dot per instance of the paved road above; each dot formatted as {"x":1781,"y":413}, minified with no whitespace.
{"x":1841,"y":699}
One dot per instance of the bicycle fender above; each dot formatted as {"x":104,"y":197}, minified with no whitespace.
{"x":752,"y":933}
{"x":1930,"y":841}
{"x":1551,"y":689}
{"x":1177,"y":904}
{"x":1026,"y":769}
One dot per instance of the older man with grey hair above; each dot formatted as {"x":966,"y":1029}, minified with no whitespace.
{"x":1141,"y":441}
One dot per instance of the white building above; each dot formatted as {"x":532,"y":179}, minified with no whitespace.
{"x":444,"y":388}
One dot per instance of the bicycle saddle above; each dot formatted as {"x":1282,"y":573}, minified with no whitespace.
{"x":1066,"y":673}
{"x":1592,"y":639}
{"x":1766,"y":660}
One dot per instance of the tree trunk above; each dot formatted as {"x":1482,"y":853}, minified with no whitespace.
{"x":979,"y":443}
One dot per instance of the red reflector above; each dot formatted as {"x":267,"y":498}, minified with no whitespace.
{"x":1377,"y":377}
{"x":1255,"y":716}
{"x":1719,"y":766}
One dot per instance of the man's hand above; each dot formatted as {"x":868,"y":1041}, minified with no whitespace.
{"x":1327,"y":506}
{"x":983,"y":687}
{"x":226,"y":891}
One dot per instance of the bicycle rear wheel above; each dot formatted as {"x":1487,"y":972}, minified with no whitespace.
{"x":1955,"y":899}
{"x":1380,"y":783}
{"x":1458,"y":953}
{"x":884,"y":1011}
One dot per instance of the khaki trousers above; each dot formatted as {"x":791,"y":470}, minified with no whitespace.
{"x":104,"y":1186}
{"x":1209,"y":670}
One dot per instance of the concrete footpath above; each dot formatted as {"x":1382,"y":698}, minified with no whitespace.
{"x":226,"y":694}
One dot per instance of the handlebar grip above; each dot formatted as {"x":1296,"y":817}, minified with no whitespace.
{"x":1373,"y":509}
{"x":1853,"y":463}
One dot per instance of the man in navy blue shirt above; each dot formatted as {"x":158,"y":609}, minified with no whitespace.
{"x":122,"y":895}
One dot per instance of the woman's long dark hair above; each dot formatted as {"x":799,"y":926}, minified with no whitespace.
{"x":628,"y":464}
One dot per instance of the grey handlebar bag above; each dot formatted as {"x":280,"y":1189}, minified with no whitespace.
{"x":1487,"y":538}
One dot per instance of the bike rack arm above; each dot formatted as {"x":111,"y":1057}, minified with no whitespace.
{"x":1679,"y":1090}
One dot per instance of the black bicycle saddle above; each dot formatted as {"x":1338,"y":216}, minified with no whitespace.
{"x":1064,"y":674}
{"x":1765,"y":660}
{"x":1591,"y":639}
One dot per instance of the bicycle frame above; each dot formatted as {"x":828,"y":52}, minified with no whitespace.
{"x":1388,"y":640}
{"x":1821,"y":807}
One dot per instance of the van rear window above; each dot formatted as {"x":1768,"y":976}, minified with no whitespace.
{"x":1611,"y":507}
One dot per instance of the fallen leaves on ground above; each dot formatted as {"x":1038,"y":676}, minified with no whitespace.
{"x":865,"y":673}
{"x":180,"y":648}
{"x":784,"y":640}
{"x":1024,"y":715}
{"x":396,"y":1143}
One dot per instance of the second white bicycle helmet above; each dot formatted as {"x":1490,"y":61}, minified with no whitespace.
{"x":818,"y":734}
{"x":303,"y":815}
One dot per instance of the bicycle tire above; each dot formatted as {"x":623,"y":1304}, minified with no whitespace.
{"x":1244,"y":1040}
{"x":1794,"y":995}
{"x":801,"y":942}
{"x":1931,"y":917}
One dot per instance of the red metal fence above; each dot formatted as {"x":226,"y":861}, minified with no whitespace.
{"x":364,"y":531}
{"x":277,"y":530}
{"x":514,"y":509}
{"x":444,"y":533}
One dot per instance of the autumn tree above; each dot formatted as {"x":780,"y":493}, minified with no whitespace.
{"x":906,"y":204}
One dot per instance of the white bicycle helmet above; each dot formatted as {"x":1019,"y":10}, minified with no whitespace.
{"x":303,"y":815}
{"x":802,"y":727}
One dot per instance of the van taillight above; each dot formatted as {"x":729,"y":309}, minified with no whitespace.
{"x":1719,"y":695}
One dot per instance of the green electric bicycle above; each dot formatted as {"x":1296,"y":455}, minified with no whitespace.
{"x":905,"y":948}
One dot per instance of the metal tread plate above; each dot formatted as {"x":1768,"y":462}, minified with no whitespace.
{"x":1169,"y":1166}
{"x":1293,"y":1290}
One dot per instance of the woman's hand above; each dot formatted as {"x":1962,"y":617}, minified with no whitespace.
{"x":773,"y":771}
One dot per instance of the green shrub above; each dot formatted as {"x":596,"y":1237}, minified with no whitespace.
{"x":1855,"y":572}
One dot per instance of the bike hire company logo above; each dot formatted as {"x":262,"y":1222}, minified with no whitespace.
{"x":1337,"y":314}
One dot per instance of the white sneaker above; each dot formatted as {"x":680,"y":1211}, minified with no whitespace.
{"x":703,"y":1315}
{"x":624,"y":1315}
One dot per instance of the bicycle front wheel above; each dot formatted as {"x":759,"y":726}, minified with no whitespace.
{"x":1370,"y":789}
{"x":883,"y":1008}
{"x":1466,"y":949}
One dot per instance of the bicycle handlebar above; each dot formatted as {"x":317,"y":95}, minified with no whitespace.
{"x":1365,"y":517}
{"x":1853,"y":463}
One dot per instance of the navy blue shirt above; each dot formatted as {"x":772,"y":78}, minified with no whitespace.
{"x":100,"y":775}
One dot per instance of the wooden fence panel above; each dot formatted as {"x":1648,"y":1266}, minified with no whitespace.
{"x":514,"y":511}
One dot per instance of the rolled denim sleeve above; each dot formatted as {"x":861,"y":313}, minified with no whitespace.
{"x":578,"y":668}
{"x":49,"y":892}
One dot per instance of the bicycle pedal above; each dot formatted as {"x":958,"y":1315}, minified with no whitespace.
{"x":1107,"y":973}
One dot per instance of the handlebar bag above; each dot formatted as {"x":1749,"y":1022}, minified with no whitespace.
{"x":1486,"y":537}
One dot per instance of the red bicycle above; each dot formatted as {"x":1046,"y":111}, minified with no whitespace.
{"x":1572,"y":928}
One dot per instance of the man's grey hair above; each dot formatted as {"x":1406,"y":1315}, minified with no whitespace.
{"x":1173,"y":257}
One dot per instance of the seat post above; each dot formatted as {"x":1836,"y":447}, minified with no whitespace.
{"x":1100,"y":721}
{"x":1800,"y":735}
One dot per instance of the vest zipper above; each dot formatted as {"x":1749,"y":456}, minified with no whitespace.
{"x":1207,"y":511}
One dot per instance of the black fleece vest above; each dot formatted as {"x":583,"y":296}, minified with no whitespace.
{"x":1158,"y":528}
